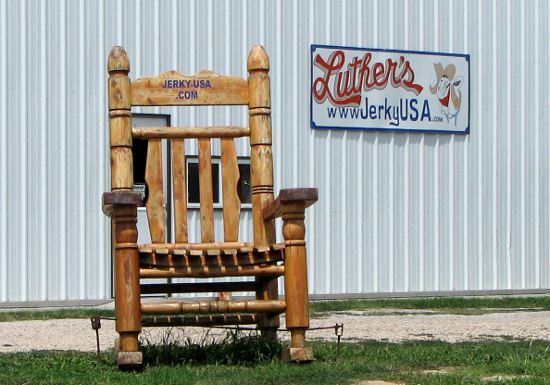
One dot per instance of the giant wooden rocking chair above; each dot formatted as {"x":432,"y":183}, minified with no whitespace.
{"x":263,"y":258}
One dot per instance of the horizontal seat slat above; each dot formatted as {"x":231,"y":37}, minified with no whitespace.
{"x":201,"y":320}
{"x":189,"y":132}
{"x":162,"y":257}
{"x":200,"y":272}
{"x":198,"y":246}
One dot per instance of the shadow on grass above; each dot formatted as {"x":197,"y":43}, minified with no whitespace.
{"x":235,"y":348}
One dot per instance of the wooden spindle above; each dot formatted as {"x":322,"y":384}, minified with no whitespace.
{"x":155,"y":200}
{"x":205,"y":191}
{"x":231,"y":201}
{"x":180,"y":192}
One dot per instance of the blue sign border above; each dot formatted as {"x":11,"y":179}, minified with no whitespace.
{"x":421,"y":131}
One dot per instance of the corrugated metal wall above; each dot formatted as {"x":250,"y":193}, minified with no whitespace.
{"x":398,"y":212}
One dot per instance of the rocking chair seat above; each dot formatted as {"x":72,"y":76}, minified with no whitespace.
{"x":203,"y":260}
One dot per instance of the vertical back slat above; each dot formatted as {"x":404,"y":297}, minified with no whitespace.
{"x":153,"y":177}
{"x":205,"y":186}
{"x":179,"y":191}
{"x":231,"y":201}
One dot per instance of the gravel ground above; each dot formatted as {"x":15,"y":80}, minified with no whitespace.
{"x":392,"y":325}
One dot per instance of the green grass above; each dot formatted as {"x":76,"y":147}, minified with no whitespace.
{"x":26,"y":315}
{"x":250,"y":360}
{"x":455,"y":305}
{"x":465,"y":363}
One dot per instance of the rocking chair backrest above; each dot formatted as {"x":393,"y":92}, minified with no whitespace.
{"x":204,"y":88}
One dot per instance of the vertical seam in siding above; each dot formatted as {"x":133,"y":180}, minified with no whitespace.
{"x":137,"y":59}
{"x":262,"y":22}
{"x":359,"y":213}
{"x":294,"y":171}
{"x":278,"y":96}
{"x":494,"y":194}
{"x":175,"y":54}
{"x":63,"y":150}
{"x":4,"y":155}
{"x":480,"y":148}
{"x":104,"y":231}
{"x":508,"y":150}
{"x":538,"y":32}
{"x":406,"y":272}
{"x":391,"y":231}
{"x":422,"y":232}
{"x":23,"y":155}
{"x":43,"y":154}
{"x":82,"y":150}
{"x":119,"y":18}
{"x":436,"y":173}
{"x":375,"y":264}
{"x":522,"y":145}
{"x":156,"y":70}
{"x":328,"y":243}
{"x":210,"y":53}
{"x":451,"y":216}
{"x":466,"y":167}
{"x":311,"y":177}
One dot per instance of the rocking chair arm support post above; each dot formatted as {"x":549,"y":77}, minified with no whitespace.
{"x":121,"y":206}
{"x":291,"y":205}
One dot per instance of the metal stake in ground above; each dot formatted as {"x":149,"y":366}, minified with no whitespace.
{"x":96,"y":325}
{"x":339,"y":331}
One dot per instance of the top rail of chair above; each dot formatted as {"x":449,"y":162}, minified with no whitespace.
{"x":202,"y":89}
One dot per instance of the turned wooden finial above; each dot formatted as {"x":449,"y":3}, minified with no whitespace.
{"x":258,"y":59}
{"x":118,"y":60}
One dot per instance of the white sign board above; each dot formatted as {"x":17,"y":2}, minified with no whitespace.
{"x":373,"y":89}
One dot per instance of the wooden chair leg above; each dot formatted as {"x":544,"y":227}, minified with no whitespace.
{"x":268,"y":289}
{"x":296,"y":290}
{"x":127,"y":291}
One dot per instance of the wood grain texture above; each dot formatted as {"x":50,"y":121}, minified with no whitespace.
{"x":296,"y":285}
{"x":189,"y":132}
{"x":231,"y":201}
{"x":175,"y":89}
{"x":306,"y":195}
{"x":206,"y":195}
{"x":201,"y":320}
{"x":110,"y":199}
{"x":252,"y":306}
{"x":179,"y":190}
{"x":208,"y":259}
{"x":238,"y":271}
{"x":155,"y":200}
{"x":261,"y":168}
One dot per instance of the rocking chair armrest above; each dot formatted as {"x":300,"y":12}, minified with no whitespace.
{"x":113,"y":198}
{"x":292,"y":195}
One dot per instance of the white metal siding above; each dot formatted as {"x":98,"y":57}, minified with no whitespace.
{"x":398,"y":212}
